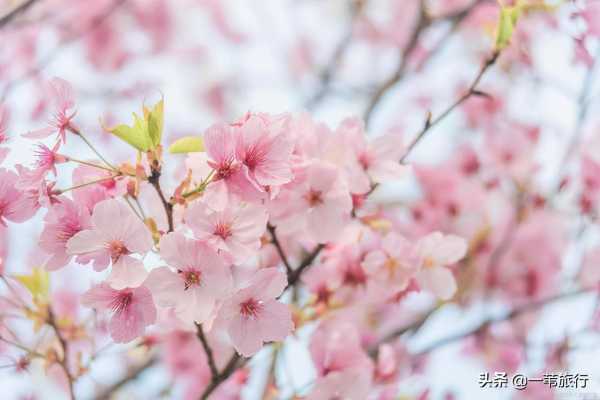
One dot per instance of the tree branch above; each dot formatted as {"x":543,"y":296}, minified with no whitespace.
{"x":471,"y":91}
{"x":507,"y":317}
{"x":423,"y":22}
{"x":132,"y":375}
{"x":63,"y":361}
{"x":95,"y":23}
{"x":328,"y":72}
{"x":209,"y":354}
{"x":232,"y":365}
{"x":15,"y":12}
{"x":154,"y":180}
{"x":308,"y":260}
{"x":280,"y":251}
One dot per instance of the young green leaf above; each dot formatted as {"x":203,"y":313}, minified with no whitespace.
{"x":155,"y":119}
{"x":188,"y":144}
{"x":136,"y":135}
{"x":506,"y":25}
{"x":145,"y":133}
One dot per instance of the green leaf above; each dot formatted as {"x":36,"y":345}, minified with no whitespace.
{"x":188,"y":144}
{"x":136,"y":135}
{"x":506,"y":25}
{"x":38,"y":283}
{"x":155,"y":119}
{"x":145,"y":133}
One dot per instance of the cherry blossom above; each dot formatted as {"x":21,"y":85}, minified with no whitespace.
{"x":319,"y":203}
{"x":14,"y":206}
{"x":63,"y":221}
{"x":106,"y":241}
{"x":437,"y":251}
{"x":254,"y":316}
{"x":236,"y":230}
{"x":201,"y":278}
{"x":132,"y":309}
{"x":309,"y":216}
{"x":62,"y":96}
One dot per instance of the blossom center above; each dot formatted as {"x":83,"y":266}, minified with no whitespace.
{"x":121,"y":302}
{"x":254,"y":157}
{"x":116,"y":248}
{"x":67,"y":230}
{"x":364,"y":160}
{"x":222,"y":230}
{"x":314,"y":197}
{"x":191,"y":278}
{"x":392,"y":265}
{"x":225,"y":170}
{"x":250,"y":308}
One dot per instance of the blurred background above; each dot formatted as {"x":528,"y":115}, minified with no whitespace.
{"x":215,"y":60}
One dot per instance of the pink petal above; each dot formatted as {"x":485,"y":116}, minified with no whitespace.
{"x":40,"y":133}
{"x":127,"y":272}
{"x":438,"y":280}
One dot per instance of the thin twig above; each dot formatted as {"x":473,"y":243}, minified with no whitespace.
{"x":132,"y":375}
{"x":209,"y":354}
{"x":493,"y":320}
{"x":471,"y":91}
{"x":62,"y":361}
{"x":154,"y":180}
{"x":423,"y":21}
{"x":306,"y":262}
{"x":39,"y":67}
{"x":280,"y":251}
{"x":232,"y":365}
{"x":106,"y":178}
{"x":326,"y":76}
{"x":583,"y":102}
{"x":21,"y":8}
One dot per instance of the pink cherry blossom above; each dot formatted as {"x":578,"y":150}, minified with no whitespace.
{"x":437,"y":251}
{"x":200,"y":280}
{"x":264,"y":149}
{"x":318,"y":204}
{"x":254,"y":316}
{"x":3,"y":133}
{"x":344,"y":370}
{"x":229,"y":178}
{"x":46,"y":160}
{"x":63,"y":221}
{"x":394,"y":263}
{"x":62,"y":95}
{"x":336,"y":346}
{"x":371,"y":162}
{"x":132,"y":309}
{"x":107,"y":240}
{"x":14,"y":205}
{"x":236,"y":230}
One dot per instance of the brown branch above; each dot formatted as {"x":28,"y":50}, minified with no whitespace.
{"x":131,"y":375}
{"x":423,"y":22}
{"x":280,"y":251}
{"x":471,"y":91}
{"x":516,"y":312}
{"x":306,"y":262}
{"x":232,"y":365}
{"x":326,"y":76}
{"x":209,"y":354}
{"x":15,"y":12}
{"x":64,"y":345}
{"x":430,"y":123}
{"x":154,"y":180}
{"x":37,"y":69}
